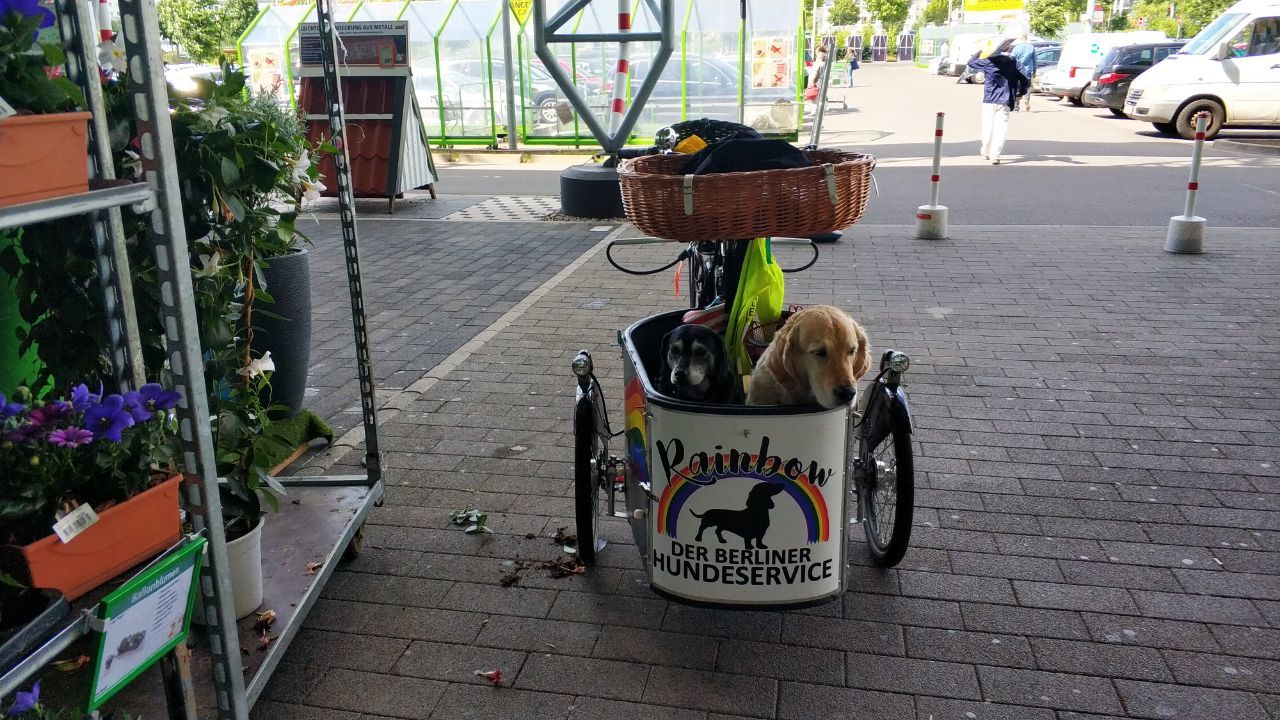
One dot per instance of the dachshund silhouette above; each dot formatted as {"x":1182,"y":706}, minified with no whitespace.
{"x":751,"y":523}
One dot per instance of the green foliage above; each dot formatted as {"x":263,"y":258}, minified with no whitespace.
{"x":1049,"y":17}
{"x":890,"y":13}
{"x":202,"y":28}
{"x":23,"y":82}
{"x":1195,"y":15}
{"x":843,"y":12}
{"x":937,"y":12}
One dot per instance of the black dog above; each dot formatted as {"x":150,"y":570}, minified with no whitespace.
{"x":750,"y":523}
{"x":695,"y":366}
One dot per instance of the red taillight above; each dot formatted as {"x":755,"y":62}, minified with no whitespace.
{"x":1113,"y":78}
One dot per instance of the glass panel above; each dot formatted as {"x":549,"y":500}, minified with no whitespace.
{"x":377,"y":11}
{"x":1266,"y":37}
{"x":775,"y":66}
{"x":712,"y":37}
{"x":426,"y":18}
{"x":465,"y":55}
{"x":1207,"y":38}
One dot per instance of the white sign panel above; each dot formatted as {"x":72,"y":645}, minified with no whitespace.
{"x":748,"y":509}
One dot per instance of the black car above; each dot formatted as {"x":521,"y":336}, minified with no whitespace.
{"x":1119,"y":67}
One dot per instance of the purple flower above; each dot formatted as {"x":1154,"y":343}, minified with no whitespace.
{"x":136,"y":407}
{"x":81,"y":398}
{"x":24,"y":702}
{"x":72,"y":437}
{"x":8,"y":409}
{"x":156,"y":397}
{"x":25,"y":8}
{"x":50,"y":416}
{"x":108,"y":419}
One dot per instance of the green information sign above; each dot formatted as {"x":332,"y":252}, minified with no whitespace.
{"x":144,"y":619}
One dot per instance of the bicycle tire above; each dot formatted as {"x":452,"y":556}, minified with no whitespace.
{"x":887,"y":540}
{"x":588,"y":446}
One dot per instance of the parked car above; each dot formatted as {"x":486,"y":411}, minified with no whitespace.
{"x":1081,"y":54}
{"x":1231,"y":70}
{"x":1111,"y":79}
{"x":1047,"y":54}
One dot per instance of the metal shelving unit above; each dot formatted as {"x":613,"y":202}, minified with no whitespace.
{"x":332,"y":509}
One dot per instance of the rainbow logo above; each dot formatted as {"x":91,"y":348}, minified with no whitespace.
{"x":808,"y":497}
{"x":637,"y":447}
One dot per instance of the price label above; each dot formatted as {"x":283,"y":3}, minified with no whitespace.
{"x":74,"y":523}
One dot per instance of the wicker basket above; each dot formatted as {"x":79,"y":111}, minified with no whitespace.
{"x":743,"y":205}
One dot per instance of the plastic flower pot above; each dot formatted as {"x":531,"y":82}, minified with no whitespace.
{"x":43,"y":156}
{"x":126,"y":534}
{"x":244,"y":563}
{"x":27,"y":616}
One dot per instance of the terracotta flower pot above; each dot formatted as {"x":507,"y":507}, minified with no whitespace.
{"x":43,"y":156}
{"x":125,"y":535}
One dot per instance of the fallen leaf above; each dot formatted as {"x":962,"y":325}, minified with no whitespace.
{"x":266,"y":619}
{"x":265,"y":641}
{"x":312,"y":567}
{"x":509,"y":579}
{"x":71,"y":664}
{"x":493,"y":676}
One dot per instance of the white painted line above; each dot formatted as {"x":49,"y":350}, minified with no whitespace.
{"x":398,"y":400}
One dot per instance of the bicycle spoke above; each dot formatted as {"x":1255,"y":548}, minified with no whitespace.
{"x":885,"y":497}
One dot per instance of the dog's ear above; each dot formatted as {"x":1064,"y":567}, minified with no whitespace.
{"x":862,"y":355}
{"x":780,"y":358}
{"x":666,"y":346}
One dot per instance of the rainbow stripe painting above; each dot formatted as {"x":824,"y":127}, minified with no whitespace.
{"x":807,"y":496}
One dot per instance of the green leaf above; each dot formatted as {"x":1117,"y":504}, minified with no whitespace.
{"x":53,"y":55}
{"x":230,"y":173}
{"x":236,"y":207}
{"x":270,"y":481}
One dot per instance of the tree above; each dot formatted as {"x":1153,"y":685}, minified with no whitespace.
{"x":1195,"y":15}
{"x":1049,"y":17}
{"x":890,"y":13}
{"x":937,"y":12}
{"x":203,"y":29}
{"x":843,"y":12}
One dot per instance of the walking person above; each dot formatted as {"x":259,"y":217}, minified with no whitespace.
{"x":1024,"y":54}
{"x":1004,"y":84}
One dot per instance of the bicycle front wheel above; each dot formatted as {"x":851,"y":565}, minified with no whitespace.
{"x":590,"y":457}
{"x":887,"y":486}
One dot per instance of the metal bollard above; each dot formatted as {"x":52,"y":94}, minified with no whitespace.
{"x":931,"y":219}
{"x":1186,"y":231}
{"x":617,"y":108}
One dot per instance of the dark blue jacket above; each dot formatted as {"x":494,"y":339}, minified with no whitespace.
{"x":1003,"y":81}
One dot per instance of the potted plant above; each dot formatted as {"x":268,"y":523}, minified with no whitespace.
{"x":112,"y":456}
{"x":43,"y":142}
{"x":246,"y":168}
{"x":26,"y":705}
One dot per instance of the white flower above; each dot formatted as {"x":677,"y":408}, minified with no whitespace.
{"x":213,"y":114}
{"x":311,"y":190}
{"x":209,"y":264}
{"x":133,"y":163}
{"x":302,"y":168}
{"x":111,"y":53}
{"x":261,"y":366}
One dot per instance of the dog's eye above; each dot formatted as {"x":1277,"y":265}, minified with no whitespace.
{"x":820,"y":352}
{"x":853,"y":351}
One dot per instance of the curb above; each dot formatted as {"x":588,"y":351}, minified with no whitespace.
{"x":1249,"y":148}
{"x":473,"y":156}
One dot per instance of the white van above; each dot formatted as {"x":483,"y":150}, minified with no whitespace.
{"x":1081,"y":54}
{"x":1230,"y":69}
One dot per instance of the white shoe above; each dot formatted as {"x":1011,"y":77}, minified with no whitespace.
{"x":995,"y":161}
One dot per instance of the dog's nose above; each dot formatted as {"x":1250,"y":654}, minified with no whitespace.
{"x":846,"y":394}
{"x":680,"y":375}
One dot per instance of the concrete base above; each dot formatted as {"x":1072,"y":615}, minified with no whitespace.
{"x":591,"y":191}
{"x":931,"y":222}
{"x":1186,"y":235}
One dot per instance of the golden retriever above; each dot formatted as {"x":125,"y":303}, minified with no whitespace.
{"x":817,"y":356}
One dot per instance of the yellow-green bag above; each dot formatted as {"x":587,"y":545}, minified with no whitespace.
{"x":758,"y":300}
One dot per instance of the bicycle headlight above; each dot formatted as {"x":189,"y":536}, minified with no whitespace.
{"x":581,"y":366}
{"x":898,"y":362}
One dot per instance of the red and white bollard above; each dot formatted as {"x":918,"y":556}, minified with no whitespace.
{"x":618,"y":107}
{"x":104,"y":22}
{"x":931,"y":219}
{"x":1186,"y":231}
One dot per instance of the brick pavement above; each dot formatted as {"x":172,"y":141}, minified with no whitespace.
{"x":1097,"y":526}
{"x":429,"y":286}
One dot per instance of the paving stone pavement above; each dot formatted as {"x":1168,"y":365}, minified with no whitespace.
{"x":429,"y":287}
{"x":1097,"y":531}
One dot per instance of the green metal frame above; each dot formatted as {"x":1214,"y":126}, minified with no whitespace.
{"x":288,"y":55}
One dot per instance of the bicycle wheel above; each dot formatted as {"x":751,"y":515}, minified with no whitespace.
{"x":887,"y":486}
{"x":590,"y":455}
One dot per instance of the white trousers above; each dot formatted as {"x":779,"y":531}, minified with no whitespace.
{"x":995,"y":125}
